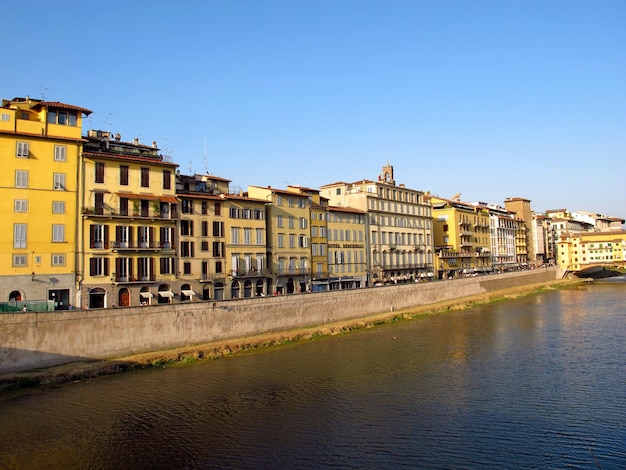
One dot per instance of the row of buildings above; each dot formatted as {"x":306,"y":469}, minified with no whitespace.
{"x":96,"y":221}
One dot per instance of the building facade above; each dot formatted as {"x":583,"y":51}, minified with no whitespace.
{"x":462,"y":239}
{"x":40,"y":147}
{"x":582,"y":250}
{"x":127,"y":229}
{"x":400,"y":233}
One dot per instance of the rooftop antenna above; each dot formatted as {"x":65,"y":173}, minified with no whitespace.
{"x":107,"y":119}
{"x":43,"y":92}
{"x":206,"y":168}
{"x":190,"y":167}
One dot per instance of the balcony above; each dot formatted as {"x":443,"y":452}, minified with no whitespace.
{"x":250,"y":273}
{"x":135,"y":279}
{"x":292,"y":271}
{"x":139,"y":245}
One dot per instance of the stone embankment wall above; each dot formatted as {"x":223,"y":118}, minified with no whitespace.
{"x":37,"y":340}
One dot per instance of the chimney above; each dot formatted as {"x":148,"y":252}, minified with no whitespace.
{"x":154,"y":145}
{"x":135,"y":141}
{"x":118,"y":137}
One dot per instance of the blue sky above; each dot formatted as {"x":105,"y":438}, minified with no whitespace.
{"x":492,"y":99}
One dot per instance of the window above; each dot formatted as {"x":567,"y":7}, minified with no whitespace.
{"x":247,"y":236}
{"x":99,"y":172}
{"x":187,"y":268}
{"x":60,"y":153}
{"x":259,"y":236}
{"x":166,"y":265}
{"x":302,"y":203}
{"x":218,"y":249}
{"x":187,"y":206}
{"x":123,"y":175}
{"x":205,"y":228}
{"x":166,"y":236}
{"x":205,"y":208}
{"x":281,"y":240}
{"x":58,"y":207}
{"x":23,"y":150}
{"x":218,"y":208}
{"x":98,"y":236}
{"x":219,"y":267}
{"x":302,"y":241}
{"x":145,"y":177}
{"x":58,"y":233}
{"x":292,"y":240}
{"x":19,"y":260}
{"x":21,"y":179}
{"x":279,"y":201}
{"x":6,"y":117}
{"x":279,"y":220}
{"x":291,"y":221}
{"x":167,"y":179}
{"x":19,"y":235}
{"x":62,"y":117}
{"x":233,"y":213}
{"x":123,"y":206}
{"x":303,"y":222}
{"x":259,"y":214}
{"x":218,"y":229}
{"x":20,"y":205}
{"x":187,"y":249}
{"x":186,"y":227}
{"x":98,"y":266}
{"x":59,"y":181}
{"x":290,"y":201}
{"x":205,"y":246}
{"x":234,"y":235}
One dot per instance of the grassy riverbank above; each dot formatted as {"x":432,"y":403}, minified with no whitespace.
{"x":193,"y":353}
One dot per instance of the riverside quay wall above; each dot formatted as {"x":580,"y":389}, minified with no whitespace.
{"x":31,"y":341}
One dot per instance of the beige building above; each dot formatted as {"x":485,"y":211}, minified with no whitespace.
{"x":400,"y":233}
{"x":525,"y":243}
{"x":347,"y":248}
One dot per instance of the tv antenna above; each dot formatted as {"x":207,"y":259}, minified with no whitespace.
{"x":43,"y":92}
{"x":107,"y":119}
{"x":206,"y":168}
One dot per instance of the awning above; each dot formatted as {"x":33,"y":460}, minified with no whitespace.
{"x":166,"y":293}
{"x":188,"y":293}
{"x":150,"y":197}
{"x":146,"y":295}
{"x":168,"y":198}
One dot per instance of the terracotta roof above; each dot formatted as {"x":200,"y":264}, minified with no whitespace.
{"x":58,"y":104}
{"x":346,"y":209}
{"x":136,"y":158}
{"x":48,"y":137}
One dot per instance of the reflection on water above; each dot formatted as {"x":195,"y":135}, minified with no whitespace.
{"x":538,"y":382}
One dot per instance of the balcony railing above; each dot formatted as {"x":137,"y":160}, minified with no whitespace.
{"x":139,"y":245}
{"x":249,"y":272}
{"x":135,"y":279}
{"x":131,"y":214}
{"x":292,"y":271}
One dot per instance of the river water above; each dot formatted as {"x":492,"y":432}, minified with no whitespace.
{"x":537,"y":382}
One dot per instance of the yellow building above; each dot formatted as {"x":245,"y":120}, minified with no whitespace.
{"x":288,"y":237}
{"x":127,"y":251}
{"x":40,"y":144}
{"x":246,"y":248}
{"x":582,"y":250}
{"x":462,"y":239}
{"x":347,"y":248}
{"x":319,"y":242}
{"x":202,"y":236}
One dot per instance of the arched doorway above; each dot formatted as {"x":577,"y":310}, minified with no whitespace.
{"x":165,"y":294}
{"x":290,"y":286}
{"x":206,"y":293}
{"x":259,"y":287}
{"x":145,"y":296}
{"x":219,"y":291}
{"x":97,"y":298}
{"x":123,"y":297}
{"x":15,"y":296}
{"x":247,"y":288}
{"x":186,"y":293}
{"x":234,"y":290}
